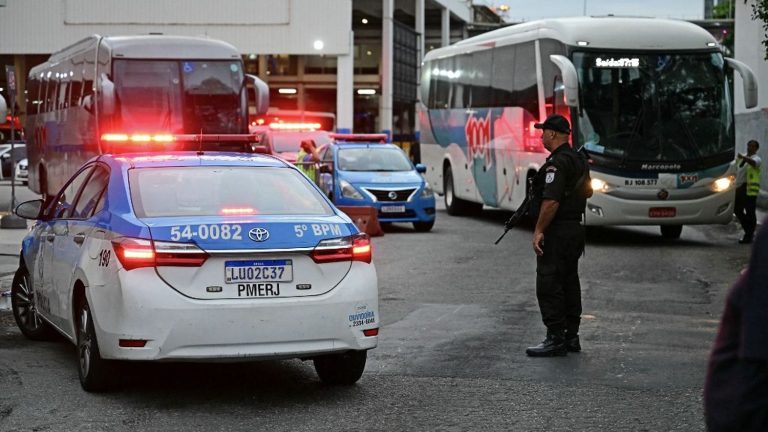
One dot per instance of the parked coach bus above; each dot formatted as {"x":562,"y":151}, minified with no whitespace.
{"x":648,"y":98}
{"x":133,"y":93}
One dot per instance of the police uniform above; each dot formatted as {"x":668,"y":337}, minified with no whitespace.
{"x":563,"y":178}
{"x":557,"y":277}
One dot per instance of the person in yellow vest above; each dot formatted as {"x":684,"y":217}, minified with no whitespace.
{"x":307,"y":158}
{"x":747,"y":189}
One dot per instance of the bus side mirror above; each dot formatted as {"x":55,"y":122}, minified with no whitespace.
{"x":107,"y":96}
{"x":258,"y":95}
{"x":570,"y":79}
{"x":748,"y":80}
{"x":3,"y":109}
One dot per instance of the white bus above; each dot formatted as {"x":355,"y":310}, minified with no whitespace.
{"x":135,"y":93}
{"x":648,"y":98}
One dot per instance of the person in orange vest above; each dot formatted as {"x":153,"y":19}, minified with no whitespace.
{"x":747,"y":190}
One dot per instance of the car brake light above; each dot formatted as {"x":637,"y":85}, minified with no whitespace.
{"x":136,"y":253}
{"x":237,"y":211}
{"x":351,"y":248}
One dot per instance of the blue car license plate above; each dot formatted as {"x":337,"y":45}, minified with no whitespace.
{"x":393,"y":209}
{"x":258,"y":271}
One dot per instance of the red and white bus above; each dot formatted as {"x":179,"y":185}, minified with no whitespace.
{"x":648,"y":98}
{"x":134,"y":93}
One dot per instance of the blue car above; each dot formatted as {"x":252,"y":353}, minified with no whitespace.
{"x":376,"y":174}
{"x":192,"y":256}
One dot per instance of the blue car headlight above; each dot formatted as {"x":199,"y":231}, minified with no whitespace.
{"x":427,"y":192}
{"x":348,"y":191}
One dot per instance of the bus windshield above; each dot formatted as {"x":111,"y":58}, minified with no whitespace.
{"x":654,"y":107}
{"x":178,"y":96}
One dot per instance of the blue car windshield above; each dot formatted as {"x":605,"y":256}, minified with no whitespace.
{"x":377,"y":159}
{"x":214,"y":191}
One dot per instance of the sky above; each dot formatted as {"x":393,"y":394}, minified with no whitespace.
{"x":528,"y":10}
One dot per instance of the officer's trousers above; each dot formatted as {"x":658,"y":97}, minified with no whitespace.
{"x":744,"y":207}
{"x":557,"y":277}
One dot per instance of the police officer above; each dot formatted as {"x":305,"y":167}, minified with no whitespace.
{"x":560,"y":191}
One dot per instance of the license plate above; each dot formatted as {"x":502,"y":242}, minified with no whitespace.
{"x":393,"y":209}
{"x":258,"y":271}
{"x":662,"y":212}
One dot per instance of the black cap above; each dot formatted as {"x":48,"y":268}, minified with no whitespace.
{"x":555,"y":122}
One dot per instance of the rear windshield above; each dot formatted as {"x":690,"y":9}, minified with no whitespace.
{"x":212,"y":191}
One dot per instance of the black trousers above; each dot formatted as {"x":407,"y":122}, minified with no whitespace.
{"x":558,"y":289}
{"x":744,"y":207}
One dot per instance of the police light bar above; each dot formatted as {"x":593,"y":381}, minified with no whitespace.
{"x":380,"y":138}
{"x":295,"y":126}
{"x":168,"y":138}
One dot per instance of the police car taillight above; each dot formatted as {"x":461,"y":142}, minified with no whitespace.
{"x":351,"y":248}
{"x":136,"y":253}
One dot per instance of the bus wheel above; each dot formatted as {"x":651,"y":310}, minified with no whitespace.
{"x":456,"y":206}
{"x":671,"y":231}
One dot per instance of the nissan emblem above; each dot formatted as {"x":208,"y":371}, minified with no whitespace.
{"x":392,"y":195}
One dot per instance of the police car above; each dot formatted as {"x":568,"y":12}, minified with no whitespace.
{"x":193,"y":256}
{"x":362,"y":170}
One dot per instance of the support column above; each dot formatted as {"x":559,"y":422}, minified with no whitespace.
{"x":387,"y":52}
{"x":445,"y":28}
{"x":419,"y":28}
{"x":345,"y":80}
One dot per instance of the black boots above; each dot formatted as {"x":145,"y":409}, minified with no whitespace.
{"x":572,"y":343}
{"x":552,"y":346}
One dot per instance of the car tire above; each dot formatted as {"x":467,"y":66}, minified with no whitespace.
{"x":341,"y":369}
{"x":24,"y":308}
{"x":423,"y":226}
{"x":96,"y":374}
{"x":671,"y":232}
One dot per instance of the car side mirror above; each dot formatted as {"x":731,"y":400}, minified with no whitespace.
{"x":421,"y":168}
{"x":29,"y":209}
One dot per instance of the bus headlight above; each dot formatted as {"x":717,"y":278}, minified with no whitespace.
{"x":348,"y":191}
{"x":427,"y":192}
{"x":722,"y":184}
{"x":599,"y":185}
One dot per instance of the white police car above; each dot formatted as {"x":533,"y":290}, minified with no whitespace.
{"x":188,"y":256}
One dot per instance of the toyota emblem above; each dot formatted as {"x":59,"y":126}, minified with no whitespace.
{"x":392,"y":195}
{"x":258,"y":234}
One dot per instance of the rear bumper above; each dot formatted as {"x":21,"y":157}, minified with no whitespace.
{"x":180,"y":328}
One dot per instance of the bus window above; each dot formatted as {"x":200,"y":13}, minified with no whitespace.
{"x":526,"y":94}
{"x":33,"y":88}
{"x":503,"y":76}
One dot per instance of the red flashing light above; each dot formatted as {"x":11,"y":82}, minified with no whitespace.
{"x":371,"y":332}
{"x":137,"y":138}
{"x":132,"y":343}
{"x":352,"y":248}
{"x":295,"y":126}
{"x":136,"y":253}
{"x":237,"y":211}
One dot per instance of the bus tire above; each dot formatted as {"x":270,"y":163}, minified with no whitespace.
{"x":454,"y":205}
{"x":671,"y":231}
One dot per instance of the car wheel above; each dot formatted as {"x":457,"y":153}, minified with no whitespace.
{"x":96,"y":374}
{"x":341,"y":369}
{"x":423,"y":226}
{"x":24,"y":308}
{"x":671,"y":231}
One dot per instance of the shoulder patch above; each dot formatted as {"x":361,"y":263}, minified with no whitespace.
{"x":550,"y":177}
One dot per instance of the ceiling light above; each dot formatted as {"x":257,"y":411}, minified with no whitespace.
{"x":318,"y":45}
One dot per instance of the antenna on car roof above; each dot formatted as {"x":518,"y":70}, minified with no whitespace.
{"x":200,"y":146}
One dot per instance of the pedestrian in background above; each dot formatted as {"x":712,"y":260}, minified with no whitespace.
{"x":307,"y":158}
{"x":736,"y":389}
{"x":747,"y":189}
{"x":559,"y":198}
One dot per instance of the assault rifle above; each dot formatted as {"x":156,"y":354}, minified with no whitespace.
{"x":519,"y":214}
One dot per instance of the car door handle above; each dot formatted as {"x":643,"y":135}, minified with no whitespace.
{"x":79,"y":238}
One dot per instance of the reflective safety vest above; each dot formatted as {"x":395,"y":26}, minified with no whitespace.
{"x":753,"y":180}
{"x":307,"y":168}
